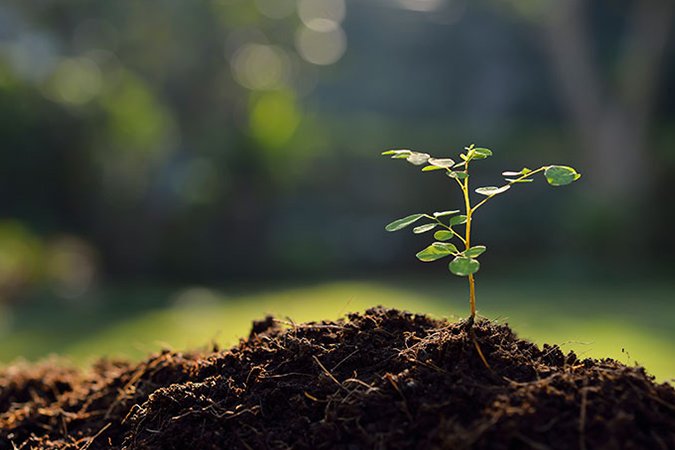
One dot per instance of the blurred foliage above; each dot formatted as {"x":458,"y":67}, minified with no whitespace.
{"x":230,"y":139}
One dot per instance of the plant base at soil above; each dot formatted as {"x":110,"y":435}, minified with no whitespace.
{"x":381,"y":379}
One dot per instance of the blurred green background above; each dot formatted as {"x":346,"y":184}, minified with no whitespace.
{"x":172,"y":170}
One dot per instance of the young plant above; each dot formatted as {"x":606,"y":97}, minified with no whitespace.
{"x":464,"y":262}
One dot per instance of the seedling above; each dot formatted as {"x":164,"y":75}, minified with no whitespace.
{"x":465,"y":262}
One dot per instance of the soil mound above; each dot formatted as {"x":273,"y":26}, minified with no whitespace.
{"x":382,"y":379}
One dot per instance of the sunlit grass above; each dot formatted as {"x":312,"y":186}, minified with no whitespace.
{"x":594,"y":322}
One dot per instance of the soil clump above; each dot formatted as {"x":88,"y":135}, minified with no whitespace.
{"x":383,"y":379}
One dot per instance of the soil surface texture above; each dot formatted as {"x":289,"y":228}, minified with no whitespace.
{"x":384,"y":379}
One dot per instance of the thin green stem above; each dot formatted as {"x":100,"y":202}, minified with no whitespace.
{"x":467,"y":240}
{"x":458,"y":236}
{"x":522,"y":177}
{"x":447,"y":227}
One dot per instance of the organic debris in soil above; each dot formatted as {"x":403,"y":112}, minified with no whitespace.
{"x":382,"y":379}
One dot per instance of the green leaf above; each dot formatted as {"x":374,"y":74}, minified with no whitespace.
{"x":395,"y":153}
{"x":523,"y":171}
{"x":417,"y":158}
{"x":424,"y":228}
{"x":481,"y":153}
{"x":492,"y":190}
{"x":464,"y":157}
{"x":517,"y":180}
{"x":412,"y":157}
{"x":561,"y":175}
{"x":475,"y":251}
{"x":459,"y":164}
{"x":445,"y":163}
{"x":404,"y":222}
{"x":463,"y":266}
{"x":443,"y":235}
{"x":435,"y":251}
{"x":445,"y":213}
{"x":457,"y":220}
{"x":458,"y":175}
{"x":430,"y":168}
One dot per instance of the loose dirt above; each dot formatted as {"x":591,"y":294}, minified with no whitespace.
{"x":383,"y":379}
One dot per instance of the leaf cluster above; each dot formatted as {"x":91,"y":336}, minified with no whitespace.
{"x":465,"y":262}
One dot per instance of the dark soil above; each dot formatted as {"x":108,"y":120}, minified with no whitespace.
{"x":383,"y":379}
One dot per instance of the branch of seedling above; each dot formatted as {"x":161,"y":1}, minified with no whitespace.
{"x":465,"y":262}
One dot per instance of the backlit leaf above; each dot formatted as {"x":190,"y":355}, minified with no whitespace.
{"x":561,"y":175}
{"x":404,"y":222}
{"x":417,"y":158}
{"x":457,"y":220}
{"x":435,"y":251}
{"x":523,"y":171}
{"x":397,"y":153}
{"x":475,"y":251}
{"x":445,"y":213}
{"x":443,"y":235}
{"x":463,"y":266}
{"x":481,"y":153}
{"x":492,"y":190}
{"x":458,"y":175}
{"x":445,"y":163}
{"x":518,"y":180}
{"x":430,"y":168}
{"x":424,"y":228}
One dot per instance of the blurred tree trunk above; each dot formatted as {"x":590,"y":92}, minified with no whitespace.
{"x":611,"y":118}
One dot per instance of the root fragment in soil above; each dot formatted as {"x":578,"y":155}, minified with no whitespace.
{"x":381,"y":379}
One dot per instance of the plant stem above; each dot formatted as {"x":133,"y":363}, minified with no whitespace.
{"x":510,"y":183}
{"x":467,"y":243}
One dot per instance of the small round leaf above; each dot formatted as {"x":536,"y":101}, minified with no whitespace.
{"x":417,"y":158}
{"x":561,"y":175}
{"x":457,"y":220}
{"x":396,"y":152}
{"x":492,"y":190}
{"x":458,"y":175}
{"x":445,"y":213}
{"x":424,"y":228}
{"x":430,"y":168}
{"x":445,"y":163}
{"x":463,"y":266}
{"x":518,"y":180}
{"x":481,"y":153}
{"x":444,"y":235}
{"x":404,"y":222}
{"x":435,"y":251}
{"x":475,"y":251}
{"x":523,"y":171}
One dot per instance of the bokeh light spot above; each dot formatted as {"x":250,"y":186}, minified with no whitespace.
{"x":321,"y":47}
{"x":274,"y":118}
{"x":75,"y":81}
{"x":259,"y":67}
